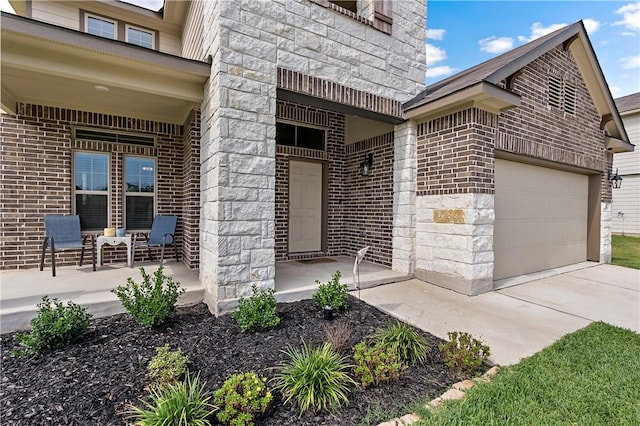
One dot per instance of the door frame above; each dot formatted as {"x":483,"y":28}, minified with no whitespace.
{"x":324,"y":202}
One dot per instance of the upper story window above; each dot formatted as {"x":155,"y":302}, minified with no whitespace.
{"x":117,"y":30}
{"x":140,"y":37}
{"x":300,"y":136}
{"x":102,"y":27}
{"x":376,"y":13}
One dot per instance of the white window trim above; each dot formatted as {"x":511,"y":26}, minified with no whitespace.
{"x":125,"y":194}
{"x":82,"y":192}
{"x":144,"y":30}
{"x":100,"y":18}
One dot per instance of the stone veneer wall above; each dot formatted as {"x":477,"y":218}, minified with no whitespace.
{"x":454,"y":204}
{"x":404,"y":198}
{"x":605,"y":232}
{"x":36,"y":155}
{"x":248,"y":42}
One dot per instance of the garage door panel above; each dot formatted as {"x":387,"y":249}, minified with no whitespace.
{"x":541,"y":218}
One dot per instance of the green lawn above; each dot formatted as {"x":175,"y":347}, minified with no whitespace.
{"x":590,"y":377}
{"x":625,"y":251}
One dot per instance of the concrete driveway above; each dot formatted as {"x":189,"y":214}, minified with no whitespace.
{"x":526,"y":315}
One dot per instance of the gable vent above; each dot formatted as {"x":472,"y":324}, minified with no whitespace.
{"x":114,"y":137}
{"x":569,"y":98}
{"x":555,"y":91}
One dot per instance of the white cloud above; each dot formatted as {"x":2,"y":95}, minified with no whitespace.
{"x":435,"y":34}
{"x":538,"y":30}
{"x":630,"y":16}
{"x":5,"y":6}
{"x":435,"y":54}
{"x":630,"y":62}
{"x":147,"y":4}
{"x":440,"y":71}
{"x":591,"y":25}
{"x":614,"y":90}
{"x":495,"y":44}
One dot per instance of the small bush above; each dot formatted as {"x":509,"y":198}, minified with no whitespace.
{"x":338,"y":335}
{"x":376,"y":364}
{"x":149,"y":303}
{"x":406,"y":342}
{"x":241,"y":398}
{"x":331,"y":293}
{"x":463,"y":352}
{"x":315,"y":378}
{"x":55,"y":326}
{"x":257,"y":312}
{"x":166,"y":367}
{"x":183,"y":403}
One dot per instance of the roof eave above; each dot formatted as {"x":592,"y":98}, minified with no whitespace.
{"x":482,"y":95}
{"x":615,"y":145}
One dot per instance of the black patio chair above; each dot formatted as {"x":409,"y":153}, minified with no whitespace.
{"x":62,"y":233}
{"x":163,"y":229}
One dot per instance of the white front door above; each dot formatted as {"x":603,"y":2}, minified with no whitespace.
{"x":305,"y":206}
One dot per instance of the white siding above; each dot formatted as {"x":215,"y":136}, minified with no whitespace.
{"x":57,"y":13}
{"x":625,"y":210}
{"x":192,"y":32}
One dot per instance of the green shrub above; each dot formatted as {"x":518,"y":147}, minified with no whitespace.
{"x":258,"y":311}
{"x":338,"y":335}
{"x":149,"y":303}
{"x":166,"y":367}
{"x":241,"y":398}
{"x":183,"y":403}
{"x":331,"y":293}
{"x":376,"y":364}
{"x":315,"y":378}
{"x":406,"y":342}
{"x":463,"y":352}
{"x":55,"y":326}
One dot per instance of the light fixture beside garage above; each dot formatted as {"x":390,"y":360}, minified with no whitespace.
{"x":616,"y":180}
{"x":365,"y":166}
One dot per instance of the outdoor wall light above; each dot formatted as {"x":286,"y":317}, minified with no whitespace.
{"x":616,"y":180}
{"x":365,"y":166}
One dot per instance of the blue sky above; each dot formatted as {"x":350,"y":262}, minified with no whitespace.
{"x":461,"y":34}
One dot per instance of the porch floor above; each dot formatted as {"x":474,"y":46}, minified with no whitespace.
{"x":21,"y":290}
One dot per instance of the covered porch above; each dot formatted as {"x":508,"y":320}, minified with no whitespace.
{"x":23,"y":289}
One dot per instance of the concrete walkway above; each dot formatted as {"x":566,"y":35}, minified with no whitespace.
{"x":519,"y":320}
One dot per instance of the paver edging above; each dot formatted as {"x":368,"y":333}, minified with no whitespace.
{"x":455,"y":392}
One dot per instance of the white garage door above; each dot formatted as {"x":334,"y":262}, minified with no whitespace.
{"x":540,"y":219}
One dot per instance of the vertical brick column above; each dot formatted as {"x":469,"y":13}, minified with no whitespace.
{"x":237,"y":161}
{"x":191,"y":191}
{"x":404,"y":198}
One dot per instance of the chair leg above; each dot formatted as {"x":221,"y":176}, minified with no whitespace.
{"x":53,"y":258}
{"x":93,"y":252}
{"x":149,"y":252}
{"x":82,"y":254}
{"x":44,"y":250}
{"x":162,"y":254}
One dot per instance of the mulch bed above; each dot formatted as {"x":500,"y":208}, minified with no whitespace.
{"x":91,"y":382}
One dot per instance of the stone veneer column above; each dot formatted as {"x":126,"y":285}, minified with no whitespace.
{"x":237,"y":161}
{"x":404,"y":198}
{"x":605,"y":232}
{"x":454,"y":241}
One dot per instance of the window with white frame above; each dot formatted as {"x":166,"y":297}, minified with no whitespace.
{"x":103,"y":27}
{"x":140,"y":37}
{"x":139,"y":181}
{"x":91,"y":188}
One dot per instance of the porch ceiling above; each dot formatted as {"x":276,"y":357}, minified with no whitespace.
{"x":48,"y":65}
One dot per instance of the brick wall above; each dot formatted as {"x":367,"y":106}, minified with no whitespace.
{"x":353,"y":202}
{"x":368,"y":206}
{"x":191,"y":191}
{"x":537,"y":130}
{"x":36,"y":177}
{"x":455,"y":153}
